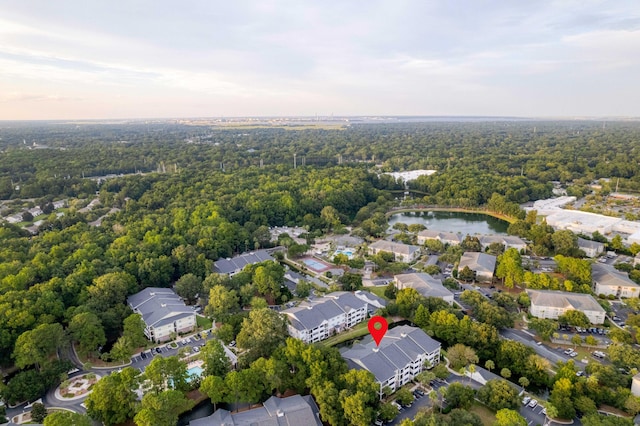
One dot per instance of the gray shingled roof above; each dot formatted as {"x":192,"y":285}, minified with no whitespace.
{"x":399,"y":346}
{"x":227,"y":266}
{"x":309,"y":315}
{"x":563,"y":299}
{"x":582,"y":243}
{"x":293,"y":410}
{"x":392,"y":247}
{"x":477,"y":262}
{"x":424,"y":283}
{"x":441,"y":235}
{"x":159,"y":306}
{"x":609,"y":276}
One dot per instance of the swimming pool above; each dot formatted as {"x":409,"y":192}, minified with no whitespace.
{"x":195,"y":371}
{"x":347,"y":252}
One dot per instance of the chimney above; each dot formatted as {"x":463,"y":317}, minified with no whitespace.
{"x":280,"y":413}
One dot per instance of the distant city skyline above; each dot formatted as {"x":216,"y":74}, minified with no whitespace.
{"x":161,"y":59}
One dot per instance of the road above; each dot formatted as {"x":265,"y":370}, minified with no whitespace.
{"x":542,"y":350}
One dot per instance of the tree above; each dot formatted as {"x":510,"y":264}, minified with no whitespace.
{"x":215,"y":359}
{"x":560,"y":398}
{"x":574,"y":317}
{"x":471,"y":244}
{"x":261,"y":334}
{"x":616,"y":243}
{"x":86,"y":329}
{"x":460,"y":356}
{"x":505,"y":372}
{"x":466,"y":274}
{"x":303,"y":288}
{"x":162,"y":409}
{"x":544,"y":327}
{"x":565,"y":243}
{"x":109,"y":290}
{"x":225,"y":333}
{"x":121,"y":350}
{"x":489,"y":365}
{"x":350,"y":282}
{"x":507,"y":417}
{"x":459,"y":417}
{"x":134,"y":328}
{"x":167,"y":373}
{"x":213,"y":387}
{"x":404,"y":396}
{"x":66,"y":418}
{"x":38,"y":412}
{"x":113,"y":399}
{"x":356,"y":410}
{"x":189,"y":287}
{"x":459,"y":396}
{"x":222,"y":301}
{"x":243,"y":386}
{"x":498,"y":394}
{"x":390,"y":291}
{"x":524,"y":382}
{"x":35,"y":347}
{"x":388,"y":412}
{"x":510,"y":268}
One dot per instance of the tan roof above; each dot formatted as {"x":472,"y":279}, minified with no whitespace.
{"x":424,"y":284}
{"x":565,"y":300}
{"x":607,"y":275}
{"x":392,"y":247}
{"x":477,"y":262}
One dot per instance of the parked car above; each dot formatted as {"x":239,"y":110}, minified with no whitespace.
{"x":533,"y":403}
{"x":526,"y":400}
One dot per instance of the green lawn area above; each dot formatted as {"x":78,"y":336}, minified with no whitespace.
{"x":378,"y":291}
{"x":357,"y":331}
{"x":488,"y":416}
{"x":204,"y":322}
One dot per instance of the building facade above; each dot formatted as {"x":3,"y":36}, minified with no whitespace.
{"x":550,"y":304}
{"x":403,"y":353}
{"x":607,"y":280}
{"x":321,"y":318}
{"x":402,"y":252}
{"x":163,"y":313}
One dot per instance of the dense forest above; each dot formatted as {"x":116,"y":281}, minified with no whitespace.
{"x":193,"y":194}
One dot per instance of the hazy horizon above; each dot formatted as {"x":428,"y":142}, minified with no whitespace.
{"x":158,"y":60}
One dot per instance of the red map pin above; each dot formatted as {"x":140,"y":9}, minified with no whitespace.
{"x":378,"y":328}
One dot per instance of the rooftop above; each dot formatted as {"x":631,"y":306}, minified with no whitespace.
{"x":310,"y":314}
{"x":159,"y":306}
{"x":425,"y":284}
{"x":477,"y":261}
{"x":607,"y":275}
{"x":237,"y":263}
{"x":566,"y":300}
{"x":399,"y":346}
{"x":392,"y":247}
{"x":293,"y":410}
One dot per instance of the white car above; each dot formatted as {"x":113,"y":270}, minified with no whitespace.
{"x":526,"y":400}
{"x":533,"y":403}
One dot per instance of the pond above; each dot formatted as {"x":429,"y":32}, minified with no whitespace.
{"x":458,"y":222}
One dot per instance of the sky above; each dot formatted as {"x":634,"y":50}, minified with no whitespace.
{"x":91,"y":59}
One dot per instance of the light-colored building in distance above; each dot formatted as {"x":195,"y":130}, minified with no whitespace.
{"x":424,"y":284}
{"x":482,"y":264}
{"x":549,"y":304}
{"x":163,"y":313}
{"x":323,"y":317}
{"x":608,"y":280}
{"x":402,"y":252}
{"x":401,"y":356}
{"x":590,"y":248}
{"x":450,"y":238}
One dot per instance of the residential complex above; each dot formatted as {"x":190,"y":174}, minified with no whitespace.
{"x":590,"y":248}
{"x":481,"y":264}
{"x":401,"y":356}
{"x":424,"y":284}
{"x":450,"y":238}
{"x":235,"y":264}
{"x":508,"y":241}
{"x":402,"y":252}
{"x":163,"y":313}
{"x":607,"y":280}
{"x":293,"y":410}
{"x":321,"y":318}
{"x":551,"y":304}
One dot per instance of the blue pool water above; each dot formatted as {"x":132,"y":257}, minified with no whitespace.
{"x":195,"y":371}
{"x":348,"y":252}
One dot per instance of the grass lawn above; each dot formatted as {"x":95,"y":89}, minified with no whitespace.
{"x":488,"y":416}
{"x":357,"y":331}
{"x":203,"y":322}
{"x":378,"y":291}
